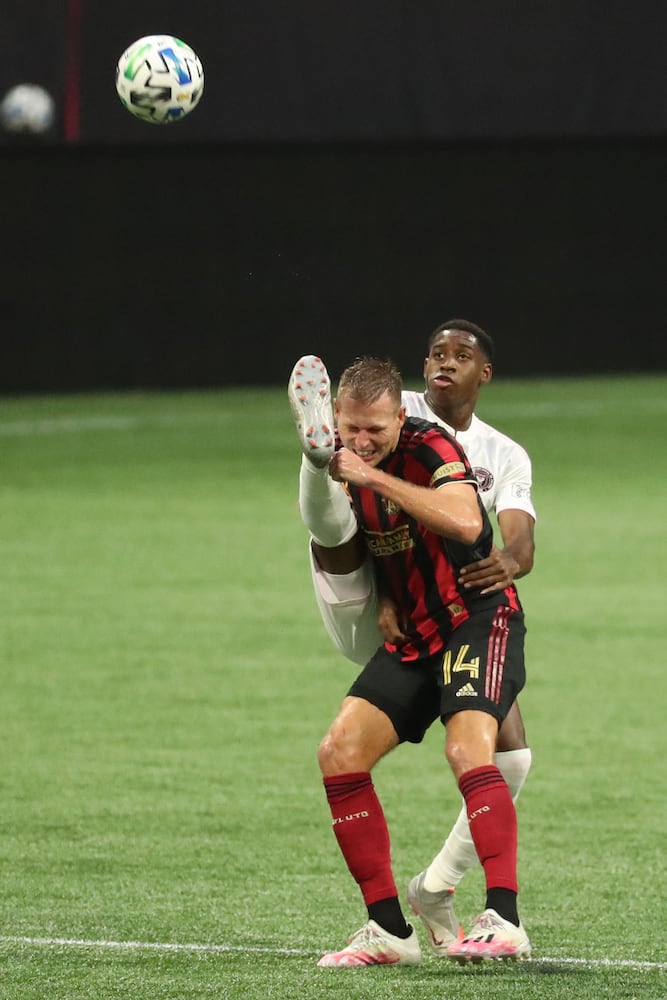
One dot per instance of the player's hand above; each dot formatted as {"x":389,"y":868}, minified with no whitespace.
{"x":346,"y":467}
{"x":388,"y":623}
{"x":495,"y":572}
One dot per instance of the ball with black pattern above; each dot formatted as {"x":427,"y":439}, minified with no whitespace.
{"x":159,"y":79}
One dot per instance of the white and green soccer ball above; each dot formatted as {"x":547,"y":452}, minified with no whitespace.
{"x":159,"y":79}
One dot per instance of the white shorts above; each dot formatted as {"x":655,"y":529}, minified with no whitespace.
{"x":349,"y":609}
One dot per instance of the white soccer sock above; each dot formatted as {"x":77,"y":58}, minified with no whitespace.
{"x":325,"y":507}
{"x":458,"y":853}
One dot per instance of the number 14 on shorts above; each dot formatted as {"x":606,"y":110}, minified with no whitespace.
{"x":471,"y":667}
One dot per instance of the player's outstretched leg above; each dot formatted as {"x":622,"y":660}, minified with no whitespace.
{"x":309,"y":392}
{"x":323,"y":503}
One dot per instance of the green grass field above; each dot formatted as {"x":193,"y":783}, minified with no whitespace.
{"x":166,"y":681}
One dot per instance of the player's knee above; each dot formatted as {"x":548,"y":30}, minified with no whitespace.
{"x":457,"y":756}
{"x":347,"y":748}
{"x":464,"y":754}
{"x":336,"y":754}
{"x":325,"y":753}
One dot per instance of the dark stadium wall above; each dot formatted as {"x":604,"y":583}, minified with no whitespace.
{"x":218,"y":265}
{"x":354,"y":174}
{"x":397,"y":69}
{"x":381,"y":69}
{"x":34,"y":44}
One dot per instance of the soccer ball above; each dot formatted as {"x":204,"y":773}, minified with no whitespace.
{"x":159,"y":79}
{"x":27,"y":107}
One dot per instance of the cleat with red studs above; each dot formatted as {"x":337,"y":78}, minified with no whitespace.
{"x":309,"y":393}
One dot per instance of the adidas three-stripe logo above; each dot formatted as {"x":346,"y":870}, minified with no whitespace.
{"x":466,"y":691}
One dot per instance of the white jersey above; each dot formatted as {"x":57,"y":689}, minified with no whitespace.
{"x":501,"y":466}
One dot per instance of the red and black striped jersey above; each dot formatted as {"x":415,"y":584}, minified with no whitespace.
{"x":416,"y":567}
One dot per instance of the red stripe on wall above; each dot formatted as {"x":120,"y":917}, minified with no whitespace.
{"x":72,"y":100}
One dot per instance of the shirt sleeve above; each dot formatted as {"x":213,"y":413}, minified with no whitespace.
{"x":515,"y":483}
{"x":444,"y":460}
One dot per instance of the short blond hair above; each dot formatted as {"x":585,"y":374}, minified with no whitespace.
{"x":368,"y":378}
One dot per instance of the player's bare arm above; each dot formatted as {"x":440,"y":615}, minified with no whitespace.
{"x":514,"y":560}
{"x":517,"y":528}
{"x":450,"y":511}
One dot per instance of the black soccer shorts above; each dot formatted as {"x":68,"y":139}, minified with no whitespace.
{"x":481,"y":667}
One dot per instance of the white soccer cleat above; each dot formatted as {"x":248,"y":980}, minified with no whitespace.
{"x":491,"y":937}
{"x":309,"y":392}
{"x":371,"y":945}
{"x":436,"y":911}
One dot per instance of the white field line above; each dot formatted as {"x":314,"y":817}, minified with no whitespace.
{"x":222,"y":949}
{"x":58,"y":942}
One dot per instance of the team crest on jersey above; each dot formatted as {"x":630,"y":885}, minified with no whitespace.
{"x":387,"y":543}
{"x":484,"y":478}
{"x":390,"y":508}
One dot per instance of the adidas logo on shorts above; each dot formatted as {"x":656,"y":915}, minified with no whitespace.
{"x":466,"y":691}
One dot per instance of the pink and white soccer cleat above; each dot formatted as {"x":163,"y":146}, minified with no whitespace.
{"x":491,"y":937}
{"x":371,"y":945}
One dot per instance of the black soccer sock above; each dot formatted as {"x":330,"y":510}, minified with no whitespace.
{"x":503,"y":901}
{"x":388,"y":914}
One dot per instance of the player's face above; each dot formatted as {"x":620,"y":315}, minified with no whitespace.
{"x":370,"y":430}
{"x":454,"y":369}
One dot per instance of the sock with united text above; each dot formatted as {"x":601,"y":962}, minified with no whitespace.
{"x":360,"y":828}
{"x":493,"y":826}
